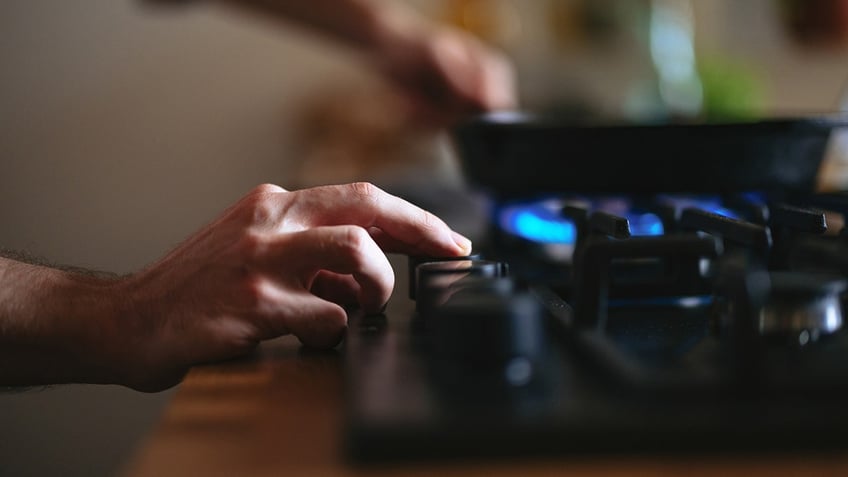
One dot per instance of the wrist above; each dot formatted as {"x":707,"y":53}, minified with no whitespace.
{"x":99,"y":330}
{"x":85,"y":316}
{"x":57,"y":326}
{"x":111,"y":334}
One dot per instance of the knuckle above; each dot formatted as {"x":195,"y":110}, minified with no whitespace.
{"x":365,"y":191}
{"x":261,"y":208}
{"x":429,"y":221}
{"x":253,"y":246}
{"x":267,"y":188}
{"x":428,"y":226}
{"x":353,"y":241}
{"x":254,"y":292}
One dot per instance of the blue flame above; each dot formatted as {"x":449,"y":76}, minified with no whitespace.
{"x":542,"y":221}
{"x":544,"y":224}
{"x":645,"y":224}
{"x":754,"y":197}
{"x":709,"y":204}
{"x":539,"y":224}
{"x":722,"y":211}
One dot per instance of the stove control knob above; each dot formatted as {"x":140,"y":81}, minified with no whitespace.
{"x":437,"y":281}
{"x":494,"y":334}
{"x":415,"y":260}
{"x":802,"y":306}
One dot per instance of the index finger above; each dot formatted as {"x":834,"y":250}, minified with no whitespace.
{"x":407,"y":228}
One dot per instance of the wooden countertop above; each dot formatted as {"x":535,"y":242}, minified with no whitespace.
{"x":279,"y":412}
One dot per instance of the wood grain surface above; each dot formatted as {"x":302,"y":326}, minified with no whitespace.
{"x":279,"y":413}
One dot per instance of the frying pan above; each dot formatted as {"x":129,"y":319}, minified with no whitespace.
{"x":518,"y":154}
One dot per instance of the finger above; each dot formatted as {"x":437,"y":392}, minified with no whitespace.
{"x":478,"y":77}
{"x":454,"y":61}
{"x":343,"y":249}
{"x":340,"y":289}
{"x":489,"y":83}
{"x":413,"y":230}
{"x":498,"y":84}
{"x":315,"y":322}
{"x":391,"y":245}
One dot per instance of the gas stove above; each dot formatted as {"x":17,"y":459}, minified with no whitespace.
{"x":599,"y":323}
{"x":609,"y":325}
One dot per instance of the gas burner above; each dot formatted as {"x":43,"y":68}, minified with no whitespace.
{"x":553,"y":227}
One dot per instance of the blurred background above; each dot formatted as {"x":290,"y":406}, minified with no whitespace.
{"x":125,"y":127}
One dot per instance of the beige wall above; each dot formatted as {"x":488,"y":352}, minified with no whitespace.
{"x":123,"y":129}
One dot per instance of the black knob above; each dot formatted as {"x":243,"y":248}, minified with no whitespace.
{"x":415,"y":260}
{"x":488,"y":333}
{"x":436,"y":281}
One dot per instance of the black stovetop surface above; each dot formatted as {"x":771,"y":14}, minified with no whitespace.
{"x":552,"y":366}
{"x":660,"y":382}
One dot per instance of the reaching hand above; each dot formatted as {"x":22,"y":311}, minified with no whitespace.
{"x":275,"y":263}
{"x":444,"y":72}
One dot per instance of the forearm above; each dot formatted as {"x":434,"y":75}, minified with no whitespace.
{"x":56,"y":326}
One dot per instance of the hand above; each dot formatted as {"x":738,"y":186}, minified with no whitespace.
{"x":445,"y":73}
{"x":275,"y":263}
